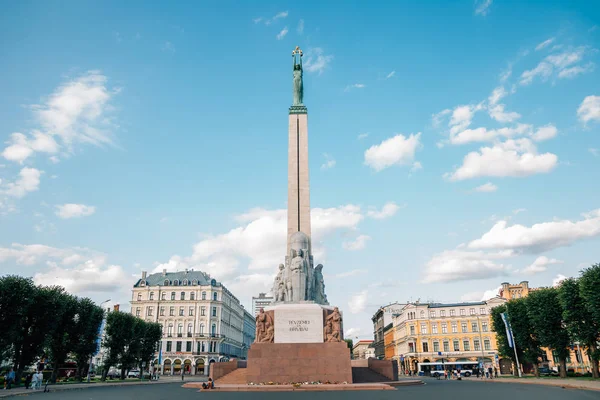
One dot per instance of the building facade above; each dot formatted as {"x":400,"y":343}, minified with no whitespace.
{"x":363,"y":349}
{"x":381,"y":319}
{"x":260,"y":302}
{"x":388,"y":342}
{"x":202,"y":321}
{"x":445,"y":332}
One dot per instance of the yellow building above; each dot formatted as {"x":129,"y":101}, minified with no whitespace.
{"x":578,"y":360}
{"x":388,"y":342}
{"x":430,"y":332}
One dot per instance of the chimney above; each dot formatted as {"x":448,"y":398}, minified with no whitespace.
{"x":164,"y":272}
{"x":186,"y":271}
{"x":143,"y":275}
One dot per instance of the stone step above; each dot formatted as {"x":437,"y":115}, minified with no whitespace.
{"x":367,"y":375}
{"x":236,"y":377}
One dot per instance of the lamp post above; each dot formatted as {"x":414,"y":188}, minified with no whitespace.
{"x":100,"y":338}
{"x":480,"y":341}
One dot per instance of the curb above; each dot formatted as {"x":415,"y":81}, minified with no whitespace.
{"x":557,"y":385}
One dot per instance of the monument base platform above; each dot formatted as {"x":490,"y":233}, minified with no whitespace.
{"x":282,"y":363}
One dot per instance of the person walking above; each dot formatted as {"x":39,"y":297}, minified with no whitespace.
{"x":10,"y":378}
{"x":28,"y":381}
{"x":490,"y":372}
{"x":477,"y":372}
{"x":495,"y":372}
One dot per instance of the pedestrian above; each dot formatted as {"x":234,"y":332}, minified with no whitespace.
{"x":28,"y":381}
{"x":11,"y":378}
{"x":490,"y":371}
{"x":40,"y":379}
{"x":495,"y":372}
{"x":477,"y":372}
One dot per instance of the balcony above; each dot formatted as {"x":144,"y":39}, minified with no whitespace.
{"x":209,"y":336}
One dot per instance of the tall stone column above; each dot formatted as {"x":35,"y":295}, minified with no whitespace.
{"x":298,"y":180}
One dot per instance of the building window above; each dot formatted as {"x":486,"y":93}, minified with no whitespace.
{"x":138,"y":311}
{"x":452,"y":313}
{"x":423,"y":329}
{"x":175,"y":282}
{"x":454,"y":328}
{"x":456,"y":346}
{"x":436,"y":346}
{"x":180,"y":330}
{"x":462,"y":312}
{"x":425,"y":347}
{"x":203,"y":347}
{"x":182,"y":295}
{"x":201,"y":329}
{"x":185,"y":282}
{"x":191,"y":311}
{"x":484,"y":326}
{"x":163,"y":296}
{"x":178,"y":346}
{"x":486,"y":344}
{"x":189,"y":332}
{"x":434,"y":329}
{"x":476,"y":345}
{"x":166,"y":282}
{"x":215,"y":296}
{"x":431,"y":314}
{"x":171,"y":311}
{"x":444,"y":327}
{"x":446,"y":346}
{"x":466,"y":345}
{"x":139,"y":297}
{"x":213,"y":330}
{"x":170,"y":331}
{"x":181,"y":311}
{"x":482,"y":311}
{"x":203,"y":311}
{"x":162,"y":311}
{"x":411,"y":347}
{"x":172,"y":295}
{"x":203,"y":295}
{"x":188,"y":346}
{"x":151,"y":295}
{"x":412,"y":329}
{"x":463,"y":327}
{"x":149,"y":311}
{"x":472,"y":311}
{"x":214,"y":311}
{"x":442,"y":313}
{"x":474,"y":327}
{"x":169,"y":346}
{"x":192,"y":297}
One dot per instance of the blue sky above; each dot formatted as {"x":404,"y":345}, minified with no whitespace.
{"x":453,"y":145}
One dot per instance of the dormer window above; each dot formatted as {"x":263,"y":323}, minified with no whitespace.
{"x":185,"y":282}
{"x":166,"y":282}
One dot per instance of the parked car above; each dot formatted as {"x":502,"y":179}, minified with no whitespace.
{"x":545,"y":371}
{"x":134,"y":373}
{"x":113,"y":373}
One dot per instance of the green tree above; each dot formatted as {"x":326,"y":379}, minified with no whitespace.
{"x":85,"y":333}
{"x":59,"y":336}
{"x":580,"y":301}
{"x":350,"y":345}
{"x":16,"y":298}
{"x":149,"y":343}
{"x":523,"y":332}
{"x":123,"y":340}
{"x":498,"y":327}
{"x":545,"y":314}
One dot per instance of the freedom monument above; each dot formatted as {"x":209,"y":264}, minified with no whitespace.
{"x":299,"y":337}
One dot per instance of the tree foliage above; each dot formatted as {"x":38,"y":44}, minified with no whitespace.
{"x":501,"y":339}
{"x":523,"y":332}
{"x":545,"y":314}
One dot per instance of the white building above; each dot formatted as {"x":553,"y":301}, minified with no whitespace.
{"x":260,"y":302}
{"x":202,"y":321}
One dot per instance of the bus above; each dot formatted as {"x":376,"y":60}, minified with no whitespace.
{"x":436,"y":369}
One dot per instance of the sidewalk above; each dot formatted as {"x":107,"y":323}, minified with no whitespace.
{"x":571,"y":383}
{"x":71,"y":386}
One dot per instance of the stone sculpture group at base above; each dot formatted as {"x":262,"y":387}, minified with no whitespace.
{"x":265,"y":327}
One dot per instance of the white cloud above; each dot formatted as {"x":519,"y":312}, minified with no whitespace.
{"x":352,"y":333}
{"x":391,"y":74}
{"x":282,"y":33}
{"x":28,"y":181}
{"x":316,"y":60}
{"x":481,"y":296}
{"x":363,"y":136}
{"x":488,"y":135}
{"x":540,"y":265}
{"x":88,"y":277}
{"x":417,"y":166}
{"x":539,"y":237}
{"x":279,"y":15}
{"x":545,"y":133}
{"x":482,"y":7}
{"x":388,"y":210}
{"x":257,"y":20}
{"x":486,"y":188}
{"x":358,"y":302}
{"x":71,"y":210}
{"x":544,"y":44}
{"x":519,"y":210}
{"x":497,"y":112}
{"x":329,"y":162}
{"x":576,"y":70}
{"x":558,"y":279}
{"x":354,"y":86}
{"x":497,"y":94}
{"x":300,"y":28}
{"x":357,"y":244}
{"x":594,"y":152}
{"x":269,"y":21}
{"x":21,"y":147}
{"x":168,"y":47}
{"x":543,"y":70}
{"x":515,"y":158}
{"x":397,"y":150}
{"x":589,"y":110}
{"x":462,"y":117}
{"x":350,"y":273}
{"x":461,"y":265}
{"x":436,"y":119}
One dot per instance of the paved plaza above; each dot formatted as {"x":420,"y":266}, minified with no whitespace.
{"x":433,"y":389}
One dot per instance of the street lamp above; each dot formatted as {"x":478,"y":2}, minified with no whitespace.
{"x":92,"y":356}
{"x":480,"y":341}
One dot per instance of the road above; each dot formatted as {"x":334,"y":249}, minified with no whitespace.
{"x":433,"y":389}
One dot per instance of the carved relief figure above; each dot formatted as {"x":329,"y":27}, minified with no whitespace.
{"x":299,"y":275}
{"x":333,"y":326}
{"x":279,"y":285}
{"x":264,"y":327}
{"x":319,"y":286}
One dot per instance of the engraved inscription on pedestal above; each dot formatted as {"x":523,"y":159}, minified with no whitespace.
{"x":298,"y":323}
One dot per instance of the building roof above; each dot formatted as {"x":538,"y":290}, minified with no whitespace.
{"x":474,"y":303}
{"x":180,"y":278}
